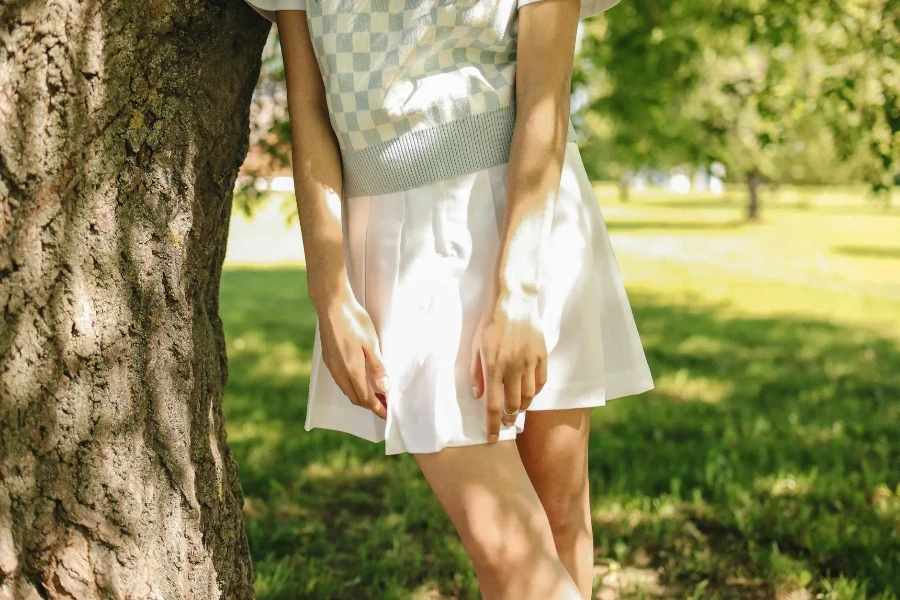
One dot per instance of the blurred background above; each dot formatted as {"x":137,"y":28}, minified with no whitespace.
{"x":745,"y":155}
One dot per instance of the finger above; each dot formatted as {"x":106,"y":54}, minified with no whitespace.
{"x":356,"y":372}
{"x":343,"y":381}
{"x":528,"y":386}
{"x":540,"y":374}
{"x":512,"y":387}
{"x":366,"y":392}
{"x":494,"y":402}
{"x":377,"y":405}
{"x":382,"y":397}
{"x":375,"y":363}
{"x":476,"y":373}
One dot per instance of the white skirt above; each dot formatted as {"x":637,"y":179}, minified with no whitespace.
{"x":420,"y":261}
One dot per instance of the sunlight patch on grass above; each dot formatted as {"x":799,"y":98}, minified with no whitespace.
{"x":264,"y":441}
{"x":684,"y":386}
{"x":428,"y":591}
{"x":250,"y":343}
{"x":281,"y":362}
{"x":344,"y":466}
{"x":619,"y":583}
{"x":266,"y":432}
{"x":784,"y":484}
{"x":887,"y":503}
{"x":286,"y":507}
{"x":633,"y":514}
{"x":701,"y":345}
{"x":277,"y":577}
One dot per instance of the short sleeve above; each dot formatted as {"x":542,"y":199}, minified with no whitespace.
{"x":268,"y":8}
{"x":589,"y":8}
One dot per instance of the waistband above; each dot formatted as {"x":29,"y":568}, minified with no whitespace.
{"x":423,"y":156}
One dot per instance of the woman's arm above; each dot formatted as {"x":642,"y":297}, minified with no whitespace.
{"x":349,"y":340}
{"x":546,"y":47}
{"x":509,"y":356}
{"x":316,"y":162}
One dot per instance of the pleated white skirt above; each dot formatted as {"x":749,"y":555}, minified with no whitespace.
{"x":421,"y":261}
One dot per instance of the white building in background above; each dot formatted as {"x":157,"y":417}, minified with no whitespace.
{"x":677,"y":179}
{"x":701,"y":180}
{"x":678,"y":184}
{"x":717,"y":178}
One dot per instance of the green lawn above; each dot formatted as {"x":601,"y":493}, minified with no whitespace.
{"x":766,"y":464}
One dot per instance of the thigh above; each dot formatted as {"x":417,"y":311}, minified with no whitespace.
{"x":485,"y":489}
{"x":554,"y":451}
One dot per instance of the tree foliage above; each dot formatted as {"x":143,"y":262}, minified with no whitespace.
{"x":789,"y":91}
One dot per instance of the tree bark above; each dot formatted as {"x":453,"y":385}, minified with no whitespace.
{"x":122,"y":126}
{"x":754,"y":180}
{"x":625,"y":184}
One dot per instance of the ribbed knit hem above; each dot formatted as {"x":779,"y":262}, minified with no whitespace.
{"x":427,"y":155}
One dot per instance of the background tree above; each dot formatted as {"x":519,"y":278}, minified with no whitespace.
{"x":769,"y":89}
{"x":270,"y":131}
{"x":122,"y":127}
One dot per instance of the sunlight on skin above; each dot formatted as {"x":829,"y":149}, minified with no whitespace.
{"x":526,"y":241}
{"x":512,"y":545}
{"x":543,"y":81}
{"x":333,"y":203}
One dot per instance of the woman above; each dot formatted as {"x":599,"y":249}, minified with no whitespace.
{"x":459,"y":265}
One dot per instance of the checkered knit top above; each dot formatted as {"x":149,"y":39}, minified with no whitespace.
{"x":417,"y":90}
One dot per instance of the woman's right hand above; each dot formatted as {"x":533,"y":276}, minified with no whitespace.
{"x":349,"y":345}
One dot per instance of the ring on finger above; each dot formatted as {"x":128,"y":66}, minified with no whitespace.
{"x":510,"y":414}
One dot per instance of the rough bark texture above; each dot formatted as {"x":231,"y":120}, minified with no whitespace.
{"x":122,"y":126}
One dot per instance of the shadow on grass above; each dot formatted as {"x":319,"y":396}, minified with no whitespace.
{"x":739,"y":202}
{"x":650,"y":225}
{"x":696,"y":203}
{"x":868,"y":251}
{"x":764,"y":461}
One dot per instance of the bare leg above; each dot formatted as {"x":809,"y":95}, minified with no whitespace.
{"x":554,"y":450}
{"x":498,"y":515}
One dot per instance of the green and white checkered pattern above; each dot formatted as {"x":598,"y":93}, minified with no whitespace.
{"x":392,"y":66}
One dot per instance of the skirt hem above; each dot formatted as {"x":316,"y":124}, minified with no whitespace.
{"x":346,"y":420}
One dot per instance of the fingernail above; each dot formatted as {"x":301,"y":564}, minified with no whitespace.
{"x":385,"y":383}
{"x":493,"y":438}
{"x":475,"y":390}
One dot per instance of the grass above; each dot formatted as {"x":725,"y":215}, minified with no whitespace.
{"x":765,"y":464}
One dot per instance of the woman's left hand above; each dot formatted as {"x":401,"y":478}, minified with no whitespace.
{"x":509,"y":358}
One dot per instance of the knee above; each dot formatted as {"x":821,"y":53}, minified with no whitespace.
{"x":499,"y":551}
{"x":569,"y":515}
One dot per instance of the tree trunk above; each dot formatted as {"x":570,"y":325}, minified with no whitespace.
{"x":754,"y":180}
{"x":625,"y":189}
{"x":122,"y":127}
